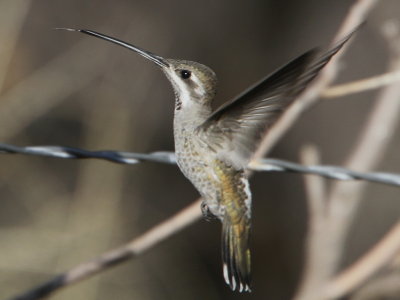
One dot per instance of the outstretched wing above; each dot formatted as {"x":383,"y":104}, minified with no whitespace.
{"x":235,"y":129}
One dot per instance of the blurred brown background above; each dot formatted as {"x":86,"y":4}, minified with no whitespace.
{"x":62,"y":88}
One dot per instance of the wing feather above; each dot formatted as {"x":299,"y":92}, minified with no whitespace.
{"x":235,"y":129}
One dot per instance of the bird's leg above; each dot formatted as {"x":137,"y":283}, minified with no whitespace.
{"x":207,"y":215}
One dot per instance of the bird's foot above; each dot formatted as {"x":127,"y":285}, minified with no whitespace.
{"x":207,"y":215}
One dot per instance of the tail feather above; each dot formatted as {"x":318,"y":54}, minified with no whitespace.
{"x":236,"y":255}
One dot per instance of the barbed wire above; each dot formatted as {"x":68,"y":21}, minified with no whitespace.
{"x":266,"y":164}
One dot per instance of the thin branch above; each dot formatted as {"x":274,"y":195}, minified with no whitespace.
{"x":12,"y":21}
{"x":311,"y":95}
{"x":369,"y":150}
{"x":378,"y":257}
{"x":344,"y":199}
{"x":313,"y":275}
{"x":362,"y":85}
{"x":141,"y":244}
{"x":385,"y":287}
{"x":17,"y":112}
{"x":315,"y":186}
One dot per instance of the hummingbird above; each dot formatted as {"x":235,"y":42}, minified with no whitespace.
{"x":213,"y":148}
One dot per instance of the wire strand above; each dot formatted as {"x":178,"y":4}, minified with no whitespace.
{"x":263,"y":165}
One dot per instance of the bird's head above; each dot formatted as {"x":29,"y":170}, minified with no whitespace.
{"x":193,"y":83}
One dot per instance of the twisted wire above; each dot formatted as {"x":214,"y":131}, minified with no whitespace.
{"x":266,"y":165}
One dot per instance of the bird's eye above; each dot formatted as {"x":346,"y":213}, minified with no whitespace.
{"x":185,"y":74}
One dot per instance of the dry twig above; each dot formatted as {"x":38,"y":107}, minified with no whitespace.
{"x":344,"y":199}
{"x":377,"y":258}
{"x":386,"y":287}
{"x":362,"y":85}
{"x":355,"y":17}
{"x":316,"y":195}
{"x":12,"y":16}
{"x":16,"y":112}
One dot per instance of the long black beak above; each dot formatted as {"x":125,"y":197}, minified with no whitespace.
{"x":146,"y":54}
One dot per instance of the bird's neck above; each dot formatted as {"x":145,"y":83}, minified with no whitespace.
{"x":190,"y":114}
